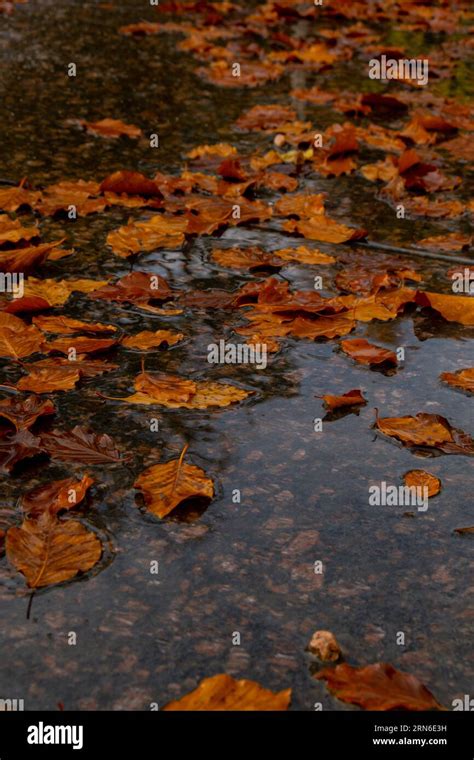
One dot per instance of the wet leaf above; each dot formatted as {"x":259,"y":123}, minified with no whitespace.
{"x":165,"y":486}
{"x":111,"y":128}
{"x":81,"y":445}
{"x":427,"y":430}
{"x":12,"y":230}
{"x":45,"y":380}
{"x":147,"y":340}
{"x":364,"y":352}
{"x":136,"y":287}
{"x":351,"y":398}
{"x":17,"y":339}
{"x":463,"y":379}
{"x":378,"y":687}
{"x":158,"y":232}
{"x":454,"y":241}
{"x":423,"y":479}
{"x":222,"y":692}
{"x":61,"y":325}
{"x":452,"y":308}
{"x":43,"y":294}
{"x":16,"y":447}
{"x":130,"y":183}
{"x":55,"y":497}
{"x":175,"y":392}
{"x":81,"y":344}
{"x":23,"y":412}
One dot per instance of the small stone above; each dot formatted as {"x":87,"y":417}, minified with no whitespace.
{"x":324,"y":645}
{"x":279,"y":140}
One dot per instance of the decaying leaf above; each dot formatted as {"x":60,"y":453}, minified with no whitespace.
{"x":158,"y":232}
{"x":423,"y":479}
{"x":81,"y":445}
{"x":17,"y":339}
{"x":166,"y":486}
{"x":378,"y":687}
{"x":61,"y":325}
{"x":111,"y":128}
{"x":425,"y":429}
{"x":147,"y":340}
{"x":55,"y":497}
{"x":23,"y":412}
{"x":351,"y":398}
{"x":364,"y":352}
{"x":463,"y":379}
{"x":175,"y":392}
{"x":222,"y":692}
{"x":453,"y":308}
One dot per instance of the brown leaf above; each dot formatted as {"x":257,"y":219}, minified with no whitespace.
{"x":158,"y":232}
{"x":17,"y":446}
{"x":454,"y":241}
{"x":427,"y":430}
{"x":81,"y":344}
{"x":452,"y":308}
{"x":165,"y":486}
{"x":55,"y":497}
{"x":378,"y":687}
{"x":61,"y":325}
{"x":17,"y":339}
{"x":136,"y":287}
{"x":364,"y":352}
{"x":175,"y":392}
{"x":351,"y":398}
{"x":52,"y":551}
{"x":81,"y":445}
{"x":12,"y":230}
{"x":42,"y":294}
{"x":463,"y":379}
{"x":222,"y":692}
{"x":422,"y":479}
{"x":147,"y":340}
{"x":130,"y":183}
{"x":111,"y":128}
{"x":23,"y":413}
{"x":49,"y":380}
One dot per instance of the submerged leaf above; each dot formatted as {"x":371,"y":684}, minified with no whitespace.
{"x":222,"y":692}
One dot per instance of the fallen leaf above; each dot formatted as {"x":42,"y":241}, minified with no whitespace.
{"x":158,"y":232}
{"x":17,"y":339}
{"x":55,"y":497}
{"x":427,"y":430}
{"x":165,"y":486}
{"x":61,"y":325}
{"x":351,"y":398}
{"x":111,"y":128}
{"x":452,"y":308}
{"x":23,"y":412}
{"x":146,"y":340}
{"x":422,"y":479}
{"x":364,"y":352}
{"x":222,"y":692}
{"x":130,"y":183}
{"x":16,"y":447}
{"x":81,"y":445}
{"x":454,"y":241}
{"x":12,"y":230}
{"x":378,"y":687}
{"x":463,"y":378}
{"x":52,"y":552}
{"x":42,"y":380}
{"x":81,"y":344}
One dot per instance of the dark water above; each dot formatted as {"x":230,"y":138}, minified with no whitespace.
{"x":245,"y":567}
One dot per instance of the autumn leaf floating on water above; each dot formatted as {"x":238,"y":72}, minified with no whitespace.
{"x":351,"y":398}
{"x":82,"y":445}
{"x":364,"y":352}
{"x":463,"y":379}
{"x":378,"y":687}
{"x":147,"y":340}
{"x":175,"y":392}
{"x":222,"y":692}
{"x":166,"y":486}
{"x":428,"y":430}
{"x":17,"y":339}
{"x":49,"y":549}
{"x":423,"y":479}
{"x":111,"y":128}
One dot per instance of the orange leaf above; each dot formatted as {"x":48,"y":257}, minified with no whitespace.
{"x":222,"y":692}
